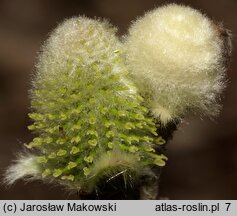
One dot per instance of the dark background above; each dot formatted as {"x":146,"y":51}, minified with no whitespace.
{"x":202,"y":155}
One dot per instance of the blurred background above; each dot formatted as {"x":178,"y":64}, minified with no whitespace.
{"x":202,"y":155}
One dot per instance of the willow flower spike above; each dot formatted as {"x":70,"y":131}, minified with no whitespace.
{"x":177,"y":58}
{"x":97,"y":103}
{"x":90,"y":122}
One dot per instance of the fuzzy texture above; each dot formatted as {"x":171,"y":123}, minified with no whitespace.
{"x":175,"y":57}
{"x":24,"y":167}
{"x":89,"y":120}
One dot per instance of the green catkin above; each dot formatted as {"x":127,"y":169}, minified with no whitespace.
{"x":88,"y":118}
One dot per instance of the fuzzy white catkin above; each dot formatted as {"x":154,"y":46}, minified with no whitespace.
{"x":174,"y":54}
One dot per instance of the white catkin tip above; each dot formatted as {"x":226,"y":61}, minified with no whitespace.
{"x":76,"y":43}
{"x":24,"y":166}
{"x":174,"y":54}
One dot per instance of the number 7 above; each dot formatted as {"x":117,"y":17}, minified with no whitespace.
{"x":228,"y":205}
